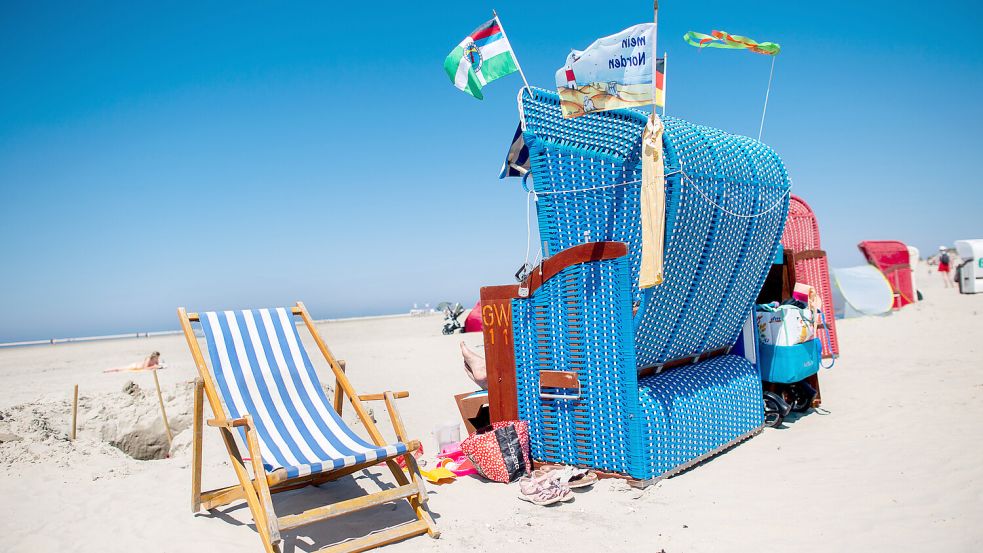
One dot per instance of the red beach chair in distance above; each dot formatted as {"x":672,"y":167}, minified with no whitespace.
{"x":809,"y":264}
{"x":892,"y":258}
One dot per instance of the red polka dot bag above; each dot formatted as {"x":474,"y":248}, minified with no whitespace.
{"x":500,"y":452}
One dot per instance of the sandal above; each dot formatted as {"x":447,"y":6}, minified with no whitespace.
{"x":570,"y":476}
{"x":543,"y":491}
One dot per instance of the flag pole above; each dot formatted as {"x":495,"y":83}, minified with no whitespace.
{"x":764,"y":110}
{"x":665,"y":82}
{"x":514,"y":56}
{"x":655,"y":54}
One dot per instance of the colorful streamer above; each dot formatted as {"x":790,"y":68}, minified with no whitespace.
{"x":722,"y":39}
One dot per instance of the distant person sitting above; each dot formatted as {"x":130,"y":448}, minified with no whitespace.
{"x":944,"y":266}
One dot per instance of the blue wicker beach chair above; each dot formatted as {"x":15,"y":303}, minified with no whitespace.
{"x":262,"y":382}
{"x":630,"y":381}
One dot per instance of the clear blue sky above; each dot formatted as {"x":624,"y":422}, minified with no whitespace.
{"x":222,"y":155}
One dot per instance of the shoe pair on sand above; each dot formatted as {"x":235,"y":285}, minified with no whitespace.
{"x":551,"y":485}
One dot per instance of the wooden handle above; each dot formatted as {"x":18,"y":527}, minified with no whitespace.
{"x":228,"y":423}
{"x":566,"y":380}
{"x":558,"y":379}
{"x":382,"y":396}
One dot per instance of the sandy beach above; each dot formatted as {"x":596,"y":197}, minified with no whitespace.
{"x":891,"y":462}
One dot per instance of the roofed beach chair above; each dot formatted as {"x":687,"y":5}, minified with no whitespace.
{"x":809,"y":264}
{"x":610,"y":376}
{"x":894,"y":260}
{"x":262,"y":383}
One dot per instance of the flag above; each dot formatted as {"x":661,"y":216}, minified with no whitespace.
{"x":614,"y":72}
{"x":483,"y":56}
{"x":660,"y":82}
{"x":517,"y":158}
{"x":723,"y":39}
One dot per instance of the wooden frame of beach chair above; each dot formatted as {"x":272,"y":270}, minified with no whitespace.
{"x":257,"y":490}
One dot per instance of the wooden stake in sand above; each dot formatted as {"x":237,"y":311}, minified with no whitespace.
{"x":75,"y":410}
{"x":163,"y":413}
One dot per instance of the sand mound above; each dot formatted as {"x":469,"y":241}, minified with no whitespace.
{"x":109,"y":424}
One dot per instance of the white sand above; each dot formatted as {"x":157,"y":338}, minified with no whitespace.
{"x":894,"y":462}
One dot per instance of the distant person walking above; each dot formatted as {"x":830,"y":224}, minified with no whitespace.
{"x":944,"y":266}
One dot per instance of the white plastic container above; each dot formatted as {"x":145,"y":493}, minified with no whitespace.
{"x":447,"y":434}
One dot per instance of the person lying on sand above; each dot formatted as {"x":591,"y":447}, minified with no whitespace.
{"x":152,"y":362}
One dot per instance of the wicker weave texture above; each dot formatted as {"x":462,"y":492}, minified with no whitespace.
{"x":692,"y":411}
{"x":726,"y":202}
{"x":715,"y":261}
{"x":802,"y":234}
{"x":579,"y":320}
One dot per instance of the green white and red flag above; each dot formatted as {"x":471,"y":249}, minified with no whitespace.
{"x":483,"y":56}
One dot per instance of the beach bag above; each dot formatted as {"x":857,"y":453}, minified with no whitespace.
{"x":500,"y":452}
{"x":789,"y":364}
{"x":784,"y":325}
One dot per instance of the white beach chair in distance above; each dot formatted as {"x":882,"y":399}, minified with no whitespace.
{"x":262,"y":382}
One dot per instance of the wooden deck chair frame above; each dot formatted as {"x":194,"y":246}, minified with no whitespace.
{"x":257,"y":490}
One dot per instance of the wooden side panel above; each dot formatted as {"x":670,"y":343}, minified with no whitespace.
{"x":496,"y":320}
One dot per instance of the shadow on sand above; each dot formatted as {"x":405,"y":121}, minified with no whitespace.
{"x":335,"y":530}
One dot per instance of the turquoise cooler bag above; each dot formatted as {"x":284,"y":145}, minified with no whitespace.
{"x":789,"y":364}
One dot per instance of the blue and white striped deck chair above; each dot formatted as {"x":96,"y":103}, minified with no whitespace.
{"x":654,"y":388}
{"x":262,"y":382}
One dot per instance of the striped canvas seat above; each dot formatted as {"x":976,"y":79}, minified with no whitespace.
{"x":261,"y":369}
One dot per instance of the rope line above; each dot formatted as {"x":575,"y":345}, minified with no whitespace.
{"x":533,"y":195}
{"x":602,"y":187}
{"x":709,"y":200}
{"x":686,"y":179}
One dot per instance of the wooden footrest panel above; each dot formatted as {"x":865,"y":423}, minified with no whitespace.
{"x":378,"y":539}
{"x":290,"y":522}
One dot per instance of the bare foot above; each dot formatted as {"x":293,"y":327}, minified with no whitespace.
{"x":474,"y":365}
